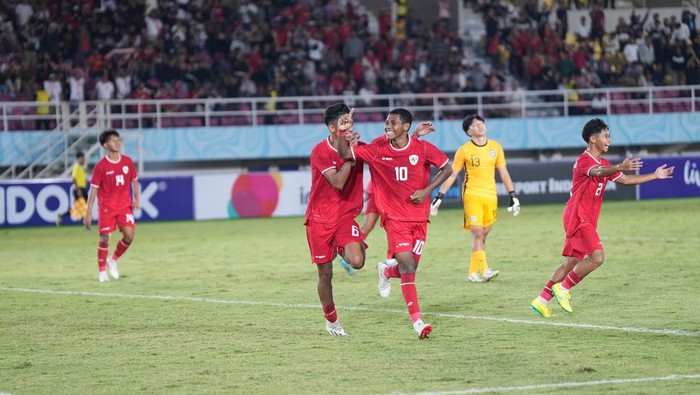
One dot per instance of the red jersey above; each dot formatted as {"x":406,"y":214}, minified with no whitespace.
{"x":327,"y":204}
{"x":397,"y":173}
{"x":586,"y":193}
{"x":113,"y":180}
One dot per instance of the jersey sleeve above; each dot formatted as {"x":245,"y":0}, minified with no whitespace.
{"x":97,"y":175}
{"x":132,"y":170}
{"x":364,"y":152}
{"x":584,"y":165}
{"x":459,"y":161}
{"x":321,"y":162}
{"x":500,"y":156}
{"x":434,"y":156}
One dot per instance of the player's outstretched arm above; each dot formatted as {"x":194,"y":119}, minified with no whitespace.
{"x":661,"y":173}
{"x":629,"y":164}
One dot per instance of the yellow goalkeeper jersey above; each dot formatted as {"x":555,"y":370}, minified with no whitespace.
{"x":479,"y":164}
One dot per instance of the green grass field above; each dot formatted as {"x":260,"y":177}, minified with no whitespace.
{"x":231,"y":307}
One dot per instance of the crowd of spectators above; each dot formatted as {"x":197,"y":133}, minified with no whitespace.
{"x":115,"y":49}
{"x":537,"y":45}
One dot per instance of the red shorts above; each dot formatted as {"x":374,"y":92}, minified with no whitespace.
{"x":108,"y":221}
{"x":328,"y":239}
{"x":405,"y":237}
{"x":582,"y":242}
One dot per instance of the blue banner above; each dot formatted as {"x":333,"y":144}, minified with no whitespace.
{"x":685,"y":181}
{"x":38,"y":202}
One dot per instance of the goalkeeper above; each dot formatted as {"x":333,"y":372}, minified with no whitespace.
{"x":479,"y":159}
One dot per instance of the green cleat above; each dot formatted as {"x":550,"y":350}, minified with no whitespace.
{"x":542,"y":309}
{"x":562,"y":297}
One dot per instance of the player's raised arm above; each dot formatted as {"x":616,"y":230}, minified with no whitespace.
{"x":346,"y":135}
{"x":423,"y":129}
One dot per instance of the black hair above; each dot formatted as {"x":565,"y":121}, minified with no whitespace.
{"x":467,"y":123}
{"x":104,"y":136}
{"x":334,"y":112}
{"x":79,"y":155}
{"x":404,"y":115}
{"x":594,"y":126}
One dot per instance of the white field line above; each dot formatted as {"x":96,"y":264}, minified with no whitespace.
{"x":672,"y":332}
{"x":539,"y":387}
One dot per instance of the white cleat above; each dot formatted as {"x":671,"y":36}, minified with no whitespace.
{"x":475,"y":278}
{"x":112,"y":266}
{"x":384,"y":283}
{"x":489,"y":274}
{"x":335,"y":329}
{"x":422,"y":329}
{"x":103,"y":277}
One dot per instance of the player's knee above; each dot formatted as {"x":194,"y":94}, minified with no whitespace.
{"x":407,"y":267}
{"x":357,"y":262}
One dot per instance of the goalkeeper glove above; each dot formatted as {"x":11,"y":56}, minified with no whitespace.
{"x":513,"y":204}
{"x":435,"y":204}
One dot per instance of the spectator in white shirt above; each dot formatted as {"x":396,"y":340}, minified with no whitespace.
{"x":24,"y":11}
{"x":123,"y":85}
{"x":104,"y":88}
{"x":631,"y":52}
{"x":583,"y":30}
{"x":681,"y":33}
{"x":76,"y":83}
{"x":54,"y":88}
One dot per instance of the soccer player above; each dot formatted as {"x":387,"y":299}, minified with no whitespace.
{"x":479,"y":159}
{"x":371,"y":215}
{"x":79,"y":183}
{"x":114,"y":180}
{"x":335,"y":200}
{"x":400,"y":169}
{"x":583,"y":250}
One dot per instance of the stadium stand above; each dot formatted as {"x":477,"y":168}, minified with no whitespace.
{"x":197,"y":49}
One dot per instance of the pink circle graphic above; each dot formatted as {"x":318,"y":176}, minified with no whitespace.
{"x":255,"y":195}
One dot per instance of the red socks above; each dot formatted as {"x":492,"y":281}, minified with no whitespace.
{"x":330,"y":313}
{"x":570,"y":280}
{"x":410,"y":295}
{"x":546,"y":293}
{"x":392,"y":272}
{"x":122,"y":246}
{"x":102,"y":255}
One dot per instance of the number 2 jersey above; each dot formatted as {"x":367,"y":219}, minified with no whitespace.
{"x":397,"y":173}
{"x":586,"y":193}
{"x":113,"y":182}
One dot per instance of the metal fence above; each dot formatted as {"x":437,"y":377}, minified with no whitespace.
{"x":145,"y":114}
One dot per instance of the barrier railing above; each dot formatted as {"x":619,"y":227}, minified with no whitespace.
{"x":144,"y":114}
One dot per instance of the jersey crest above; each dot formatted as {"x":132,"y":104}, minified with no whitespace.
{"x":125,"y":169}
{"x":413,"y":159}
{"x":492,"y":153}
